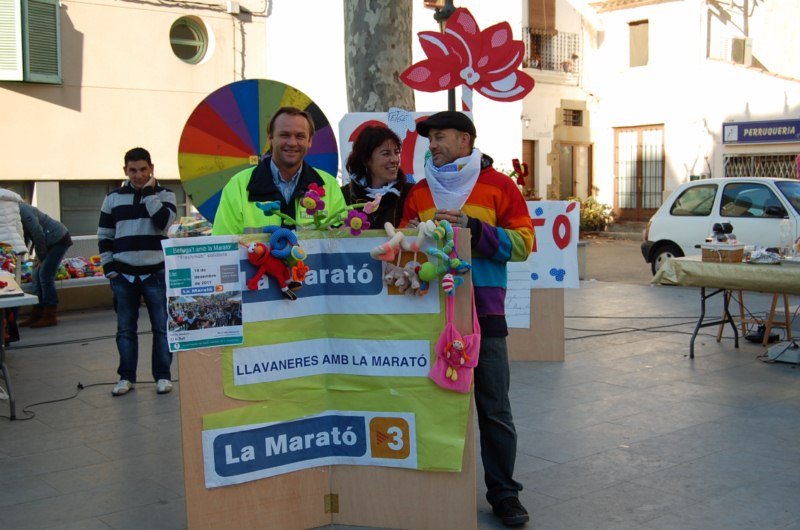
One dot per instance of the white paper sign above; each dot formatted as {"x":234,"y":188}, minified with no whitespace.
{"x":553,"y":264}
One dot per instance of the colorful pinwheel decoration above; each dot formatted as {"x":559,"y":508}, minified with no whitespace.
{"x":485,"y":61}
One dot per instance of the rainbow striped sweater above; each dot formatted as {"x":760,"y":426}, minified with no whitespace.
{"x":501,"y":232}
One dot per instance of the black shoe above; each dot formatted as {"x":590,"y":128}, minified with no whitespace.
{"x":511,"y":512}
{"x":289,"y":294}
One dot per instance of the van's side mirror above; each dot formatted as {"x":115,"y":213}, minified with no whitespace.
{"x":775,"y":211}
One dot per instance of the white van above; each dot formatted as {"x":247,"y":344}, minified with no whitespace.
{"x":754,"y":206}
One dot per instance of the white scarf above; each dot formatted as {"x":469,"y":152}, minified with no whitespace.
{"x":452,"y":183}
{"x":371,"y":192}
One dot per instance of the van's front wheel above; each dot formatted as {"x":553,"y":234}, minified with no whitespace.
{"x":662,"y":255}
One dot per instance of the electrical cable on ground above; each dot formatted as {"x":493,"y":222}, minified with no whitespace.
{"x":593,"y":333}
{"x":80,"y":387}
{"x":631,"y":329}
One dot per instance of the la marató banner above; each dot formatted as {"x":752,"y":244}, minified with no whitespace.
{"x":337,"y":376}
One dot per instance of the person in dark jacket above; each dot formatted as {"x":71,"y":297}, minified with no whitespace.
{"x":374,"y":167}
{"x":50,"y":239}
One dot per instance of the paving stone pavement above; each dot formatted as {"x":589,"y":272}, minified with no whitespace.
{"x":626,"y":433}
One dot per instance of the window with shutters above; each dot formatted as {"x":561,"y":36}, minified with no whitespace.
{"x":546,"y":48}
{"x":542,"y":17}
{"x":639,"y":43}
{"x":30,"y":41}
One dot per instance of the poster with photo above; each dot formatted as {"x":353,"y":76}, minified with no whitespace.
{"x":204,"y":297}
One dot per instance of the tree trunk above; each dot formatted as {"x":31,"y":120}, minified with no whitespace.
{"x":377,"y":49}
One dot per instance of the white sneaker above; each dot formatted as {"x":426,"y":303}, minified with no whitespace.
{"x":122,"y":387}
{"x":164,"y":386}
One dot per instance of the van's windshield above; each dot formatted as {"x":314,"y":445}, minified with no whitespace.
{"x":791,"y":190}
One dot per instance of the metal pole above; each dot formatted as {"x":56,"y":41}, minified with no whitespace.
{"x":441,"y":16}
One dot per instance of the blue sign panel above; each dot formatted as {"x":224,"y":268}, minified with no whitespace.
{"x":277,"y":445}
{"x":760,"y":132}
{"x":346,"y":274}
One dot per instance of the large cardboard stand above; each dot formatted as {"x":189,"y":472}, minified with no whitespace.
{"x":544,"y":339}
{"x":378,"y":497}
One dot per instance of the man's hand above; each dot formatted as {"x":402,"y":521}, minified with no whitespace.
{"x":455,"y":217}
{"x":149,"y":187}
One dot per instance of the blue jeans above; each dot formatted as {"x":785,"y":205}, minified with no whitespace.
{"x":127,"y":299}
{"x":43,"y":278}
{"x":497,"y":433}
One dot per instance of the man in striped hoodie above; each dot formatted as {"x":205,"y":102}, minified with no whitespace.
{"x":462,"y":187}
{"x":133,"y":220}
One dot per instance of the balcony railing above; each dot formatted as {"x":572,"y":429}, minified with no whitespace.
{"x":556,"y":53}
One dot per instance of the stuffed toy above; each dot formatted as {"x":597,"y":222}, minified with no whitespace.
{"x":389,"y":250}
{"x":392,"y":274}
{"x":61,"y":273}
{"x":455,"y":354}
{"x":450,"y":282}
{"x":447,"y":263}
{"x":424,"y":237}
{"x":282,"y":242}
{"x":411,"y":275}
{"x":258,"y":254}
{"x":74,"y":267}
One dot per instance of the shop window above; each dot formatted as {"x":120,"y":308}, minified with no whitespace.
{"x":783,"y":165}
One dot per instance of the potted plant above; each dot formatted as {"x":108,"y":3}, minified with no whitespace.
{"x":595,"y":216}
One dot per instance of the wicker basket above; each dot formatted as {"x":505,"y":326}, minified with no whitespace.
{"x":722,"y":253}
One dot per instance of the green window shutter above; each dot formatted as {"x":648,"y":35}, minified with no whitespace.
{"x":41,"y":37}
{"x":10,"y":41}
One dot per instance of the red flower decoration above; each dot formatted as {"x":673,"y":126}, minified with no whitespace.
{"x":320,"y":191}
{"x":485,"y":61}
{"x":521,"y":169}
